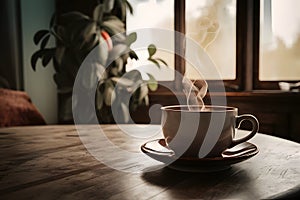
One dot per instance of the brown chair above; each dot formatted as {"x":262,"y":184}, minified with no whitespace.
{"x":16,"y":109}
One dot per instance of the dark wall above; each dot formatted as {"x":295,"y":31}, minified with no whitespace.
{"x":11,"y":74}
{"x":86,"y":6}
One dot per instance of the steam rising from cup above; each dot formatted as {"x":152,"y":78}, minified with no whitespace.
{"x":194,"y":95}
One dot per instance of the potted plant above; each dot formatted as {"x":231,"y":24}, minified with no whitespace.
{"x":76,"y":35}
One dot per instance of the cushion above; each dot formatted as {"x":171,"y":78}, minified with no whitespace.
{"x":16,"y":109}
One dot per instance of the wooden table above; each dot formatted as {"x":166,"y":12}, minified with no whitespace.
{"x":50,"y":162}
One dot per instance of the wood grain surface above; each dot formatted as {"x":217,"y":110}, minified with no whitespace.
{"x":50,"y":162}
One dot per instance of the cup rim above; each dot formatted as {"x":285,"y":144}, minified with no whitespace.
{"x":174,"y":108}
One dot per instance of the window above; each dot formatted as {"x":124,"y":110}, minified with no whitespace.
{"x":212,"y":25}
{"x":254,"y":43}
{"x":161,"y":16}
{"x":213,"y":35}
{"x":279,"y":41}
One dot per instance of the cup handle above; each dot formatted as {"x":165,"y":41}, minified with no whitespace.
{"x":255,"y":125}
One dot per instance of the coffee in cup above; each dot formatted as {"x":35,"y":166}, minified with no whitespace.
{"x":203,"y":132}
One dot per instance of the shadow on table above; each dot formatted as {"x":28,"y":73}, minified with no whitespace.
{"x":231,"y":183}
{"x":293,"y":193}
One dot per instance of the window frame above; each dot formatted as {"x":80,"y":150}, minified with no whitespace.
{"x":258,"y":84}
{"x":247,"y":48}
{"x":243,"y":52}
{"x":179,"y":26}
{"x":179,"y":62}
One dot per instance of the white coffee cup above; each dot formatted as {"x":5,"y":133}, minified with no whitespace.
{"x":203,"y":132}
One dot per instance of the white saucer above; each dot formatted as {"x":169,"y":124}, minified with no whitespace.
{"x":158,"y":150}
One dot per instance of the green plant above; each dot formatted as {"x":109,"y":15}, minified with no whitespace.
{"x":76,"y":35}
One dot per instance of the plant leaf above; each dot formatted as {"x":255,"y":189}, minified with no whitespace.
{"x":87,"y":34}
{"x":114,"y":71}
{"x":143,"y":92}
{"x":98,"y":13}
{"x":102,"y":51}
{"x":108,"y":5}
{"x":154,"y":61}
{"x":49,"y":53}
{"x":151,"y":50}
{"x":89,"y":45}
{"x":89,"y":29}
{"x":131,"y":38}
{"x":128,"y":5}
{"x":53,"y":19}
{"x":45,"y":41}
{"x":119,"y":64}
{"x":161,"y":60}
{"x":113,"y":25}
{"x":152,"y":82}
{"x":34,"y":58}
{"x":39,"y":35}
{"x":132,"y":55}
{"x":60,"y":33}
